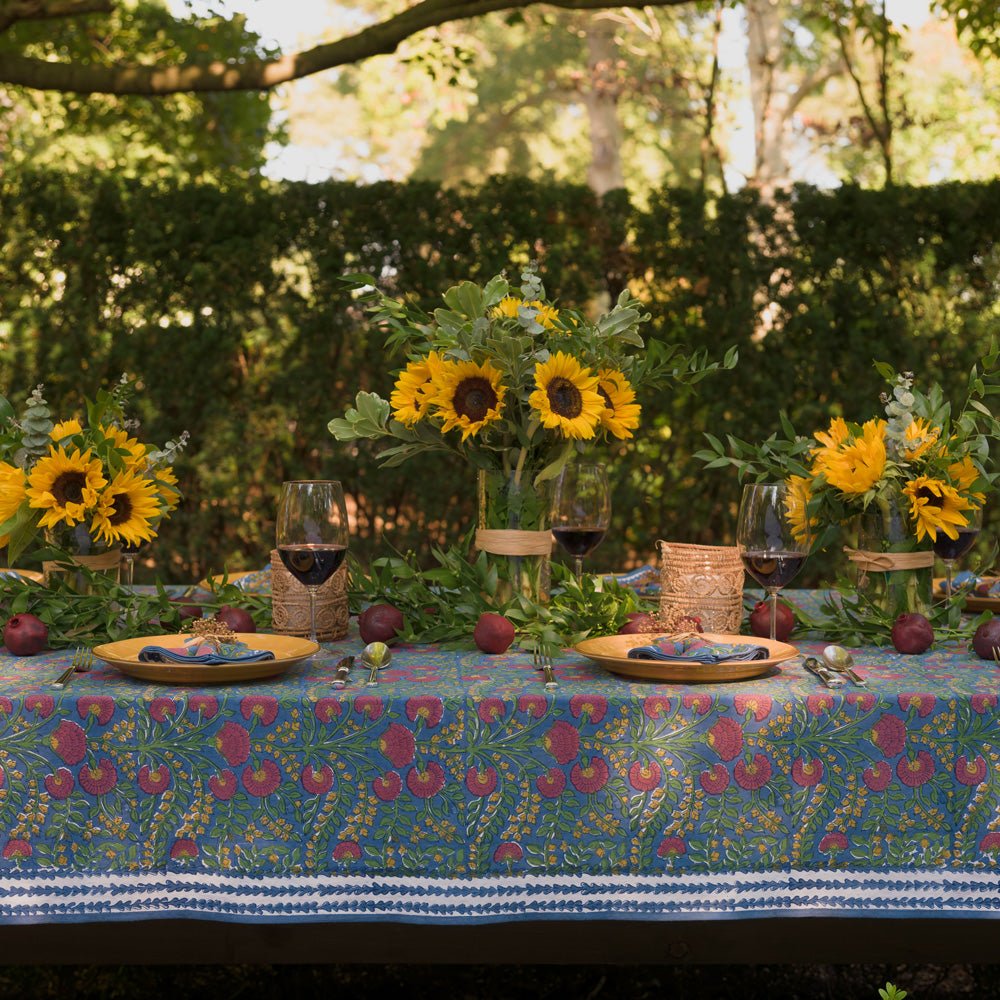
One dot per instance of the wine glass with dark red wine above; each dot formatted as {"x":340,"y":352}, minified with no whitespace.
{"x":772,"y":552}
{"x":581,"y":510}
{"x":950,"y":550}
{"x":312,"y":534}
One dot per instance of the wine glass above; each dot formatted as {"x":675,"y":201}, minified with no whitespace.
{"x":126,"y":569}
{"x":771,"y":550}
{"x":312,"y":534}
{"x":581,"y":510}
{"x":950,"y":550}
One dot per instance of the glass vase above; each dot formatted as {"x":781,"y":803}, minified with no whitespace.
{"x":513,"y":529}
{"x":84,"y":555}
{"x":894,"y":570}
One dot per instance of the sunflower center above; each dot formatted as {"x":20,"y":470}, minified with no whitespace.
{"x":122,"y":510}
{"x":68,"y":487}
{"x":607,"y":399}
{"x":474,"y":398}
{"x":565,"y":398}
{"x":931,"y":498}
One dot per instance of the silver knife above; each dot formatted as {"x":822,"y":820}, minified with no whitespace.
{"x":831,"y":680}
{"x":343,"y":669}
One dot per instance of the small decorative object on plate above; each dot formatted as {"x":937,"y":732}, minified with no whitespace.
{"x":702,"y":581}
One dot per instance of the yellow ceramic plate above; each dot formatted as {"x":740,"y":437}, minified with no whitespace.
{"x":28,"y":574}
{"x":124,"y":654}
{"x":611,"y":652}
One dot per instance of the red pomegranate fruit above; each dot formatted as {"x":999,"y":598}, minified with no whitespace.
{"x":493,"y":633}
{"x":638,"y":621}
{"x":25,"y":635}
{"x":760,"y":621}
{"x":986,"y":641}
{"x":380,"y":623}
{"x":912,"y":633}
{"x":236,"y":618}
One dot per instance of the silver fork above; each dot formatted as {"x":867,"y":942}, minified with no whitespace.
{"x":83,"y":660}
{"x":544,"y":663}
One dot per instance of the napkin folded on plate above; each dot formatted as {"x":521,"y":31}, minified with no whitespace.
{"x":204,"y":652}
{"x":697,"y":650}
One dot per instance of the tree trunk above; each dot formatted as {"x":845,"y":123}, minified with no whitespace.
{"x":605,"y":171}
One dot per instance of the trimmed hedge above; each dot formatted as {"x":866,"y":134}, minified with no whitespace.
{"x":227,"y":302}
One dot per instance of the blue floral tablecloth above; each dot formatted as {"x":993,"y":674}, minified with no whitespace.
{"x":460,"y":790}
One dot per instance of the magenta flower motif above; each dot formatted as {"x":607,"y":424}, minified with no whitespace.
{"x":426,"y":707}
{"x":263,"y":707}
{"x":160,"y":708}
{"x":370,"y":705}
{"x":759,"y":704}
{"x":183,"y":849}
{"x":970,"y":772}
{"x":807,"y":773}
{"x":482,"y":782}
{"x":914,"y":773}
{"x":347,"y":850}
{"x":645,"y":777}
{"x":923,"y":703}
{"x":833,"y":843}
{"x":990,"y":844}
{"x":223,"y":785}
{"x":153,"y":782}
{"x":700,"y":703}
{"x":69,"y":742}
{"x":6,"y":706}
{"x":551,"y":784}
{"x":427,"y":783}
{"x":753,"y":775}
{"x":508,"y":851}
{"x":726,"y":737}
{"x":818,"y":704}
{"x":533,"y":704}
{"x":562,"y":741}
{"x":671,"y":847}
{"x":715,"y":780}
{"x":3,"y":777}
{"x":865,"y":700}
{"x":60,"y":785}
{"x":98,"y":780}
{"x":591,"y":777}
{"x":262,"y":781}
{"x":889,"y":735}
{"x":327,"y":709}
{"x":655,"y":706}
{"x":101,"y":707}
{"x":388,"y":786}
{"x":43,"y":705}
{"x":983,"y":703}
{"x":594,"y":706}
{"x":878,"y":776}
{"x":491,"y":710}
{"x":398,"y":745}
{"x":317,"y":782}
{"x":17,"y":849}
{"x":233,"y":742}
{"x":204,"y":705}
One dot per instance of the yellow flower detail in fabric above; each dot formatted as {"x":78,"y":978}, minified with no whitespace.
{"x":414,"y":391}
{"x":857,"y":464}
{"x":65,"y":486}
{"x":12,"y":493}
{"x":919,"y":437}
{"x":126,"y":509}
{"x":469,"y":396}
{"x":507,"y":308}
{"x":134,"y":453}
{"x":798,"y":493}
{"x":65,"y":429}
{"x":567,"y":397}
{"x":620,"y":415}
{"x":936,"y":506}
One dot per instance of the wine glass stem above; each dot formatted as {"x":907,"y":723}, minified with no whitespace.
{"x":578,"y":567}
{"x":947,"y":569}
{"x":773,"y":592}
{"x":127,"y":570}
{"x":312,"y":614}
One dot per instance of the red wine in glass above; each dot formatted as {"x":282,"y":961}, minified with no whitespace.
{"x":581,"y":510}
{"x":312,"y":565}
{"x":950,"y":550}
{"x":579,"y":541}
{"x":773,"y":569}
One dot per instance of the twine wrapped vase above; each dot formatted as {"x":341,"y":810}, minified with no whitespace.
{"x":290,"y":603}
{"x":107,"y":563}
{"x":701,"y":580}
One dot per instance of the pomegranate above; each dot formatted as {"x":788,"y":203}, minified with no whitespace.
{"x":236,"y":618}
{"x":380,"y":623}
{"x":912,"y":634}
{"x":638,"y":621}
{"x":493,"y":633}
{"x":25,"y":635}
{"x":760,"y":621}
{"x":986,"y":641}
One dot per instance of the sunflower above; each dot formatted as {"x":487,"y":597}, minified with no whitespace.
{"x":125,"y":510}
{"x":508,"y":306}
{"x":920,"y":435}
{"x":963,"y":473}
{"x":65,"y":429}
{"x":620,"y":415}
{"x":567,"y":396}
{"x":831,"y":440}
{"x":12,"y":494}
{"x":856,"y":465}
{"x":934,"y":505}
{"x":798,"y":493}
{"x":414,"y":392}
{"x":468,"y":396}
{"x":165,"y":482}
{"x":135,"y":452}
{"x":65,"y":486}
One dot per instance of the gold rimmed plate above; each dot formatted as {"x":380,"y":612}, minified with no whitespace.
{"x":611,"y":652}
{"x":288,"y":650}
{"x":26,"y":574}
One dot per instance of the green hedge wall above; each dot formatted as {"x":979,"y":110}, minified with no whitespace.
{"x":227,"y":302}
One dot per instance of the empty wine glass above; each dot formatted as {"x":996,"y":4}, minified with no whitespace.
{"x":581,"y":510}
{"x":312,"y":534}
{"x":950,"y":550}
{"x":772,"y":550}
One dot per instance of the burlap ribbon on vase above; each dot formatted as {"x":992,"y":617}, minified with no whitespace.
{"x":513,"y":542}
{"x":887,"y":562}
{"x":101,"y":562}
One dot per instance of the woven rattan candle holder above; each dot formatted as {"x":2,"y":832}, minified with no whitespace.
{"x":701,"y":580}
{"x":290,"y":603}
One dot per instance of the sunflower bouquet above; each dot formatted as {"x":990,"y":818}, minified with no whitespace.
{"x":87,"y":484}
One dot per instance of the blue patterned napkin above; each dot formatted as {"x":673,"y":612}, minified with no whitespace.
{"x":204,"y":652}
{"x":697,"y":651}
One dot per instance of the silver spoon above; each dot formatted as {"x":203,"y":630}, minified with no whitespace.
{"x":839,"y":659}
{"x":375,"y":655}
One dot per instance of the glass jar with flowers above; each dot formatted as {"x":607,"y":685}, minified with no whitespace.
{"x":515,"y":386}
{"x":85,"y":485}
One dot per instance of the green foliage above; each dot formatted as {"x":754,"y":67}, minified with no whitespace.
{"x":891,"y":993}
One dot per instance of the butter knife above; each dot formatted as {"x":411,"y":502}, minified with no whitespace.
{"x":343,"y":669}
{"x":831,"y":680}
